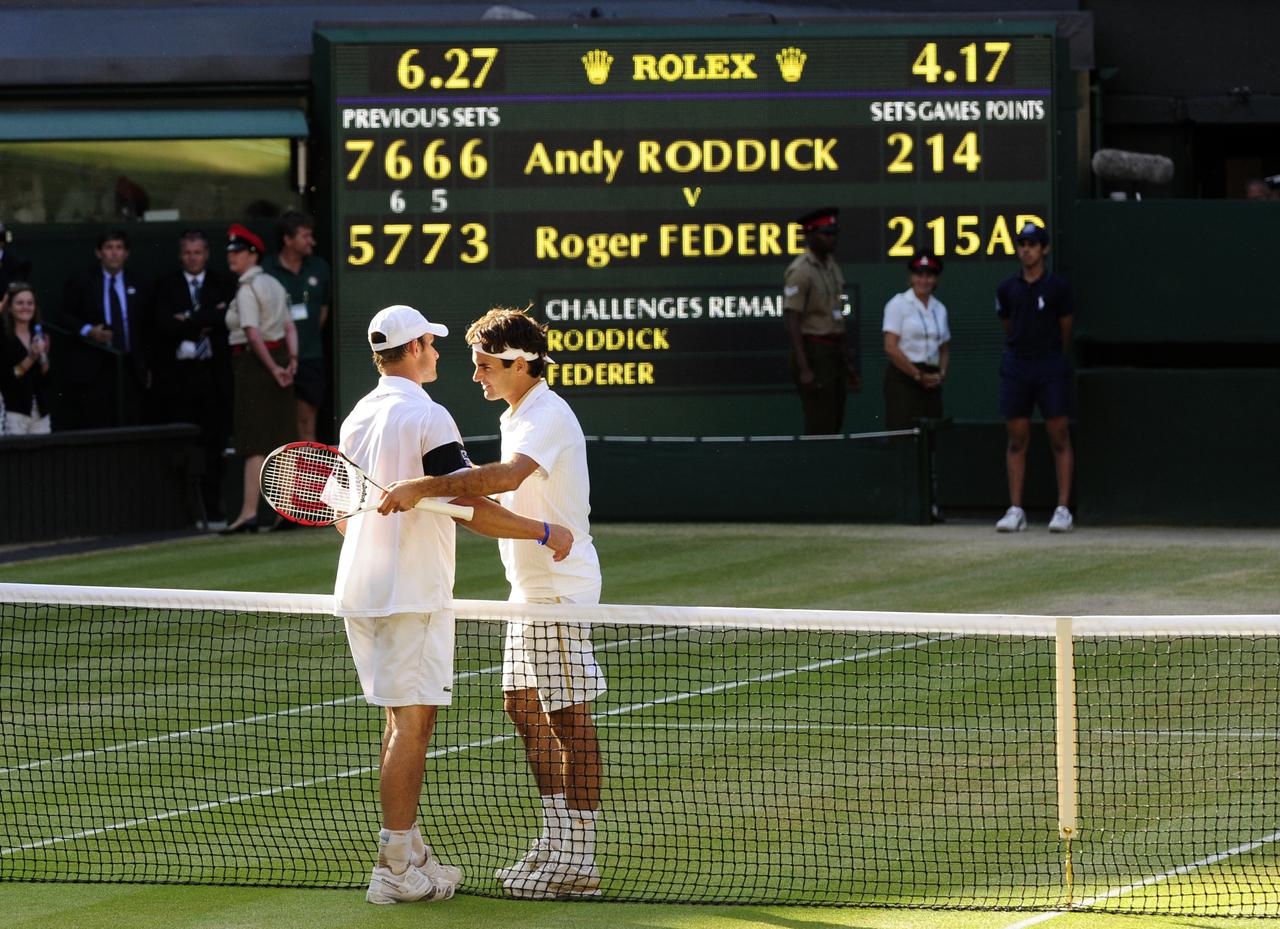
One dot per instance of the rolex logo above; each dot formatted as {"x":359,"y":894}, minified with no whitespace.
{"x":597,"y":62}
{"x":791,"y":63}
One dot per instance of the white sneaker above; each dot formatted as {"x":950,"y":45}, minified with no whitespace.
{"x":1014,"y":520}
{"x":438,"y":871}
{"x":557,"y":877}
{"x":537,"y":855}
{"x":1061,"y":521}
{"x":414,"y":884}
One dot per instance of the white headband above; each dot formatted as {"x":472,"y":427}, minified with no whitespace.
{"x":510,"y":354}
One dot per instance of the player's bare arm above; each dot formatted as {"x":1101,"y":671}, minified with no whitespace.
{"x":497,"y":522}
{"x":485,"y":480}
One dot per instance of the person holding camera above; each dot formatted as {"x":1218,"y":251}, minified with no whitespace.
{"x":24,"y":363}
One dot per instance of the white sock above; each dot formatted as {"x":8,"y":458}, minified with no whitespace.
{"x":582,"y":838}
{"x":555,"y":819}
{"x":417,"y":844}
{"x":395,"y":849}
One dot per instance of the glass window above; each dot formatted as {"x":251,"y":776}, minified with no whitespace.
{"x":161,"y":180}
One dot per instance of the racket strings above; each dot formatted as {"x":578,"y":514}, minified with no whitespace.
{"x":311,"y":485}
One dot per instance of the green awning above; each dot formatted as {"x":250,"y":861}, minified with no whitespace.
{"x":75,"y":125}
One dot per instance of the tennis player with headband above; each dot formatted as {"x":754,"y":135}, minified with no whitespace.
{"x":395,"y":584}
{"x":550,"y":674}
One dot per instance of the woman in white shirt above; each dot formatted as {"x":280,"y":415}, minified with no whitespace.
{"x":916,"y":339}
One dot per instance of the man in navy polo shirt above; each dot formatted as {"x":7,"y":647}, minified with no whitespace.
{"x":1035,"y":309}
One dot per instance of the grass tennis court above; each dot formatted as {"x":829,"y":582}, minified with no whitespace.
{"x":958,"y":568}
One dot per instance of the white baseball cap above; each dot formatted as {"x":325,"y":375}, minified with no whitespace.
{"x":398,"y":325}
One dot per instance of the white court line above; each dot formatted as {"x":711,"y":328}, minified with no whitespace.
{"x":452,"y":749}
{"x":1149,"y":881}
{"x":978,"y":729}
{"x":264,"y":717}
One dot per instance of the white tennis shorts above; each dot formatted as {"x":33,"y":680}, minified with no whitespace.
{"x":405,"y":659}
{"x":556,"y":659}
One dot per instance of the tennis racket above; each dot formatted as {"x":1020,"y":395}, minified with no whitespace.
{"x":317,"y":485}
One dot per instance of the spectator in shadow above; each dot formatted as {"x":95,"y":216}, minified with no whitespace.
{"x":190,"y":356}
{"x":105,"y":374}
{"x":12,"y":266}
{"x":264,"y":359}
{"x":305,"y":276}
{"x":24,"y":363}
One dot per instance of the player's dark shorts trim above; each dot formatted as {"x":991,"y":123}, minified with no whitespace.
{"x":309,"y":381}
{"x":1027,"y":383}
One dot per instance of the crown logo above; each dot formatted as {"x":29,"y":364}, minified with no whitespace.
{"x":597,"y":62}
{"x":791,"y":63}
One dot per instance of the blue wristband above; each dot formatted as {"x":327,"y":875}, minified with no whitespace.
{"x":546,"y":533}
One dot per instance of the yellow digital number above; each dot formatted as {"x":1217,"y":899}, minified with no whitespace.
{"x":363,"y":147}
{"x":967,"y":241}
{"x":906,"y":228}
{"x":926,"y":64}
{"x":904,"y":144}
{"x":489,"y":55}
{"x":403,"y":230}
{"x":476,"y":235}
{"x":472,"y":164}
{"x":436,"y":166}
{"x":410,"y":75}
{"x":1001,"y":49}
{"x":397,"y":166}
{"x":439,"y":230}
{"x":966,"y":154}
{"x":362,"y":251}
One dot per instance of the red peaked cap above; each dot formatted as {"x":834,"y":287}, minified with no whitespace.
{"x":241,"y":238}
{"x":925,"y":262}
{"x":820,"y":219}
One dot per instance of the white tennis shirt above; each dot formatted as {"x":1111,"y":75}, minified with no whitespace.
{"x":922,"y":330}
{"x":543,"y":427}
{"x":402,"y":563}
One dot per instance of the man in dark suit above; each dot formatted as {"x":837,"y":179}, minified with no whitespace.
{"x":190,"y":359}
{"x":105,"y":375}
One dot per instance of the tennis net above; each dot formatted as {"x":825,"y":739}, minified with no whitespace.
{"x":1123,"y":764}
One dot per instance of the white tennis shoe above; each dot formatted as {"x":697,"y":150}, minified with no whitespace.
{"x":557,"y":877}
{"x":1061,"y":521}
{"x":537,"y":856}
{"x":438,"y":871}
{"x":385,"y":886}
{"x":1014,"y":520}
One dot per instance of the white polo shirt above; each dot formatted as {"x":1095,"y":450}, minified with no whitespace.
{"x":402,"y":563}
{"x":922,"y":330}
{"x":543,"y":427}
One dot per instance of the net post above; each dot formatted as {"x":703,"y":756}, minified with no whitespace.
{"x":1065,"y":727}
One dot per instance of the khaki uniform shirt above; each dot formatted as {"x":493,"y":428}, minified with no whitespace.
{"x":812,"y":288}
{"x":261,"y":302}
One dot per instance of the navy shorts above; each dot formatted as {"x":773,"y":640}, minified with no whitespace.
{"x":1026,"y":383}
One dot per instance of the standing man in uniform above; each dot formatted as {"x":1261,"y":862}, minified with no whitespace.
{"x":549,"y":674}
{"x":305,"y":277}
{"x":813,"y":306}
{"x":1035,"y":308}
{"x":395,"y":584}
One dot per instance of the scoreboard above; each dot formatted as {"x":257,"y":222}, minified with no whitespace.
{"x":637,"y":187}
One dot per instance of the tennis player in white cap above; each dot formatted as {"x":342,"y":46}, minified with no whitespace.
{"x":395,"y":584}
{"x":550,"y":674}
